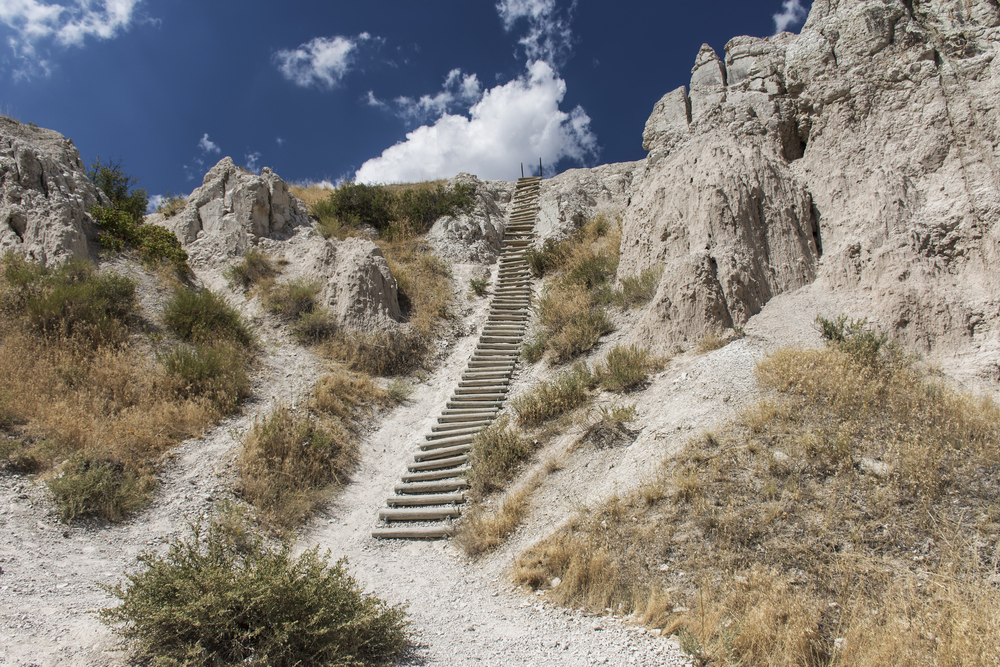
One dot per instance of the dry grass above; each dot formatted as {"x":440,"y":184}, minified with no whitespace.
{"x":498,"y":451}
{"x":291,"y":459}
{"x":550,"y":399}
{"x":423,"y":281}
{"x":711,"y":341}
{"x":80,"y":406}
{"x":310,"y":194}
{"x":383,"y":352}
{"x":484,"y":528}
{"x":626,"y":368}
{"x":572,"y":309}
{"x":850,"y":518}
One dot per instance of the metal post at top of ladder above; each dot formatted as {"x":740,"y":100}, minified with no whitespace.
{"x":522,"y":170}
{"x":539,"y":167}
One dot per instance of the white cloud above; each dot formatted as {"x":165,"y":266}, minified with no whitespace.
{"x":281,"y":142}
{"x":253,"y":162}
{"x":458,"y":89}
{"x":208,"y":146}
{"x":35,"y":22}
{"x":792,"y":13}
{"x":549,"y":36}
{"x":512,"y":123}
{"x":322,"y":61}
{"x":373,"y":101}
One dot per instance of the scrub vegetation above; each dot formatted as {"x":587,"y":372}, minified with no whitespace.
{"x":849,"y":517}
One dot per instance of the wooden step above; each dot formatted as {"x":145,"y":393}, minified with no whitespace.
{"x":430,"y":499}
{"x":432,"y":475}
{"x":436,"y":464}
{"x":414,"y":488}
{"x":415,"y":532}
{"x":419,"y":514}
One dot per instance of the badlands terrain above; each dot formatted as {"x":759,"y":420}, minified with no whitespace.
{"x":850,"y":169}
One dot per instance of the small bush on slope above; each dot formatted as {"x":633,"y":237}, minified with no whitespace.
{"x":204,"y":317}
{"x":858,"y":501}
{"x":222,"y":596}
{"x":255,"y":269}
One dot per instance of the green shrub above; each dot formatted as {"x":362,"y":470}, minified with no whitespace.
{"x":545,"y":259}
{"x":392,"y":211}
{"x":255,"y":268}
{"x":533,"y":351}
{"x":216,"y":371}
{"x":73,"y":300}
{"x":292,"y":299}
{"x":573,"y":321}
{"x":854,"y":337}
{"x":117,"y":185}
{"x":636,"y":291}
{"x":203,"y":316}
{"x":550,"y":399}
{"x":222,"y":596}
{"x":624,"y":368}
{"x":590,"y":270}
{"x":497,"y":451}
{"x":479,"y":286}
{"x":99,"y":485}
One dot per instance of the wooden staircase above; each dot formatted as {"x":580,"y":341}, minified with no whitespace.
{"x":431,"y":492}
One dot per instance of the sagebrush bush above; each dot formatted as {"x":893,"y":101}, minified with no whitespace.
{"x":635,"y":291}
{"x":479,"y":286}
{"x":551,"y":398}
{"x":574,"y":323}
{"x":315,"y":326}
{"x":498,"y":450}
{"x":215,"y":371}
{"x":98,"y":484}
{"x":70,"y":301}
{"x":203,"y":317}
{"x":856,"y":338}
{"x":255,"y":268}
{"x":223,"y":596}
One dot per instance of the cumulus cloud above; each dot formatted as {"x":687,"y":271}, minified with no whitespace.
{"x":509,"y":122}
{"x":458,"y":89}
{"x":35,"y":23}
{"x":792,"y":13}
{"x":320,"y":62}
{"x":549,"y":36}
{"x":208,"y":146}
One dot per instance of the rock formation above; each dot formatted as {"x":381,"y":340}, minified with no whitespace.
{"x":235,"y":210}
{"x":474,"y":236}
{"x":44,"y":194}
{"x":861,"y":152}
{"x":569,"y":198}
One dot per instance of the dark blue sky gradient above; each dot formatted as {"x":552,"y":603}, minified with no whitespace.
{"x":185,"y":68}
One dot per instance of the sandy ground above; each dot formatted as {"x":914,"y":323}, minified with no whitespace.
{"x":463,"y":612}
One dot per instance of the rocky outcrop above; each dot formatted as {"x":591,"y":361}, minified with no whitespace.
{"x":234,"y":211}
{"x":474,"y":236}
{"x":44,"y":194}
{"x":861,"y":152}
{"x":568,"y":199}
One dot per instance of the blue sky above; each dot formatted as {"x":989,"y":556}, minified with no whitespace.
{"x":383,"y":90}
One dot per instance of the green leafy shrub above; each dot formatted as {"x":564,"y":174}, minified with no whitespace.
{"x":73,"y":300}
{"x":552,"y":398}
{"x":216,"y":371}
{"x":99,"y":485}
{"x":203,"y":316}
{"x":390,"y":209}
{"x":545,"y":259}
{"x":497,"y":451}
{"x":222,"y":596}
{"x":256,"y":268}
{"x":112,"y":180}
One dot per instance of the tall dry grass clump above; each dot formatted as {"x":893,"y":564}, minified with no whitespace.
{"x":291,"y":458}
{"x":552,"y":398}
{"x":79,"y":405}
{"x":497,"y":453}
{"x":850,"y":517}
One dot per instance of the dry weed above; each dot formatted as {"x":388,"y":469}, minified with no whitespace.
{"x":850,"y":518}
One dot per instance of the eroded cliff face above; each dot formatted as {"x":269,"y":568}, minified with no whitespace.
{"x":861,"y":152}
{"x":44,"y":194}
